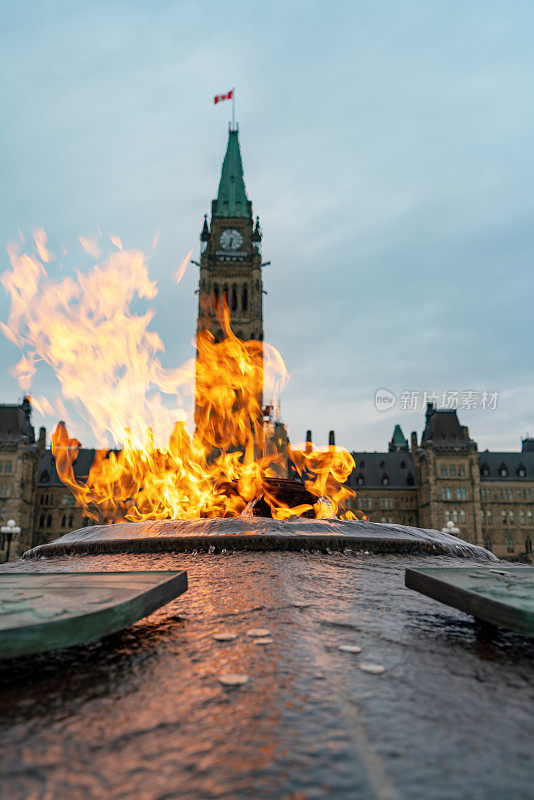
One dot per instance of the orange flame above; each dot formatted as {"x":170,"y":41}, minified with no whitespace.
{"x":106,"y":360}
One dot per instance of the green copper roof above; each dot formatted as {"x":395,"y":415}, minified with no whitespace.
{"x":398,"y":437}
{"x":232,"y":198}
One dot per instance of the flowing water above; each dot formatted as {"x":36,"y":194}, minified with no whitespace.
{"x":146,"y":713}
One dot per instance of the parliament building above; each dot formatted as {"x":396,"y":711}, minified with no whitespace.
{"x":438,"y":477}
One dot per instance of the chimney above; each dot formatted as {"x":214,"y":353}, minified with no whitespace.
{"x":308,"y":441}
{"x":331,"y":438}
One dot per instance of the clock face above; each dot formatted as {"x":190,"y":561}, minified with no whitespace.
{"x":231,"y":239}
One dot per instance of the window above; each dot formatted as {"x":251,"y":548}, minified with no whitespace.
{"x":503,"y":517}
{"x":522,"y":516}
{"x":464,"y":493}
{"x":462,"y":515}
{"x":49,"y":521}
{"x":511,"y":517}
{"x":41,"y":521}
{"x":510,"y":545}
{"x":503,"y":471}
{"x":489,"y":515}
{"x":449,"y":494}
{"x":454,"y":515}
{"x":8,"y":467}
{"x":410,"y":479}
{"x":461,"y":472}
{"x":484,"y":470}
{"x":452,"y":471}
{"x":234,"y":297}
{"x":529,"y":517}
{"x":443,"y":471}
{"x":458,"y":494}
{"x":244,"y":297}
{"x":444,"y":494}
{"x":521,"y":471}
{"x":359,"y":480}
{"x":482,"y":515}
{"x":447,"y":515}
{"x":528,"y":545}
{"x":70,"y":520}
{"x":385,"y":480}
{"x":63,"y":520}
{"x":487,"y":542}
{"x":65,"y":499}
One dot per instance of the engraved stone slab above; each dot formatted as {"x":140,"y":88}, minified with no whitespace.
{"x":500,"y":595}
{"x":40,"y":612}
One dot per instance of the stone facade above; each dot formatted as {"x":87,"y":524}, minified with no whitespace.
{"x":19,"y":457}
{"x":489,"y":496}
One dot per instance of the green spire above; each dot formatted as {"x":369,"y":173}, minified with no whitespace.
{"x":232,"y":198}
{"x":398,"y":440}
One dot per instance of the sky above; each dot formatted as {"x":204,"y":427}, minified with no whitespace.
{"x":387,"y":149}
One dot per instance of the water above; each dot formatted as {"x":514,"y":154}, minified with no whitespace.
{"x":239,"y":532}
{"x":143,"y":714}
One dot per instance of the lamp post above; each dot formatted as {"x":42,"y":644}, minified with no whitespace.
{"x":9,"y":530}
{"x":451,"y":528}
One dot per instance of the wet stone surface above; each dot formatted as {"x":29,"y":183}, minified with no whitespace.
{"x":144,"y":713}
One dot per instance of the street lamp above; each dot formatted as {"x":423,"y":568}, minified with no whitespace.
{"x":9,"y":530}
{"x":451,"y":528}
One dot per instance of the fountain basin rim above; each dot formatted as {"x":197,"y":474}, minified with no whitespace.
{"x":182,"y":536}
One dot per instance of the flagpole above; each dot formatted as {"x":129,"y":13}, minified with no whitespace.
{"x":233,"y":108}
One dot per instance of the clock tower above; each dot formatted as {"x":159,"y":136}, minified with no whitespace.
{"x":230,"y":254}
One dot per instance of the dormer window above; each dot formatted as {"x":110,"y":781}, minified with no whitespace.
{"x":382,"y":465}
{"x":385,"y":480}
{"x":521,"y":471}
{"x":410,"y":479}
{"x":403,"y":465}
{"x":359,"y":480}
{"x":484,"y":471}
{"x":503,"y":471}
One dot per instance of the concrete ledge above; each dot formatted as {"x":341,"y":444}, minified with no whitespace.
{"x":255,"y":534}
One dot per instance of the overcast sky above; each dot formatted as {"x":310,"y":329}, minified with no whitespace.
{"x":388,"y":150}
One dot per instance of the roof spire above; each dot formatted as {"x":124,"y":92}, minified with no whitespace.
{"x":232,"y":198}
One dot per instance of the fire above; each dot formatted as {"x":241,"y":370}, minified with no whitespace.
{"x":165,"y":462}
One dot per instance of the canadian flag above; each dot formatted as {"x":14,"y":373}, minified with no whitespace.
{"x":219,"y":97}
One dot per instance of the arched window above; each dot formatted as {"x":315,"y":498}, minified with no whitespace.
{"x":225,"y":293}
{"x":503,"y":517}
{"x":234,"y":297}
{"x":454,"y":515}
{"x":522,"y":516}
{"x":41,"y":521}
{"x":216,"y":292}
{"x":49,"y":521}
{"x":244,"y":297}
{"x":528,"y":545}
{"x":462,"y":515}
{"x":63,"y":520}
{"x":510,"y":545}
{"x":489,"y":515}
{"x":511,"y":517}
{"x":71,"y":519}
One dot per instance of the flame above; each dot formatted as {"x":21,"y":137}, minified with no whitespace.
{"x":164,"y":462}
